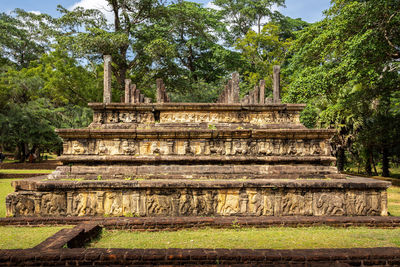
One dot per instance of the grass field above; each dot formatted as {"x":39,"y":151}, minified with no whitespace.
{"x":12,"y":237}
{"x":253,"y":238}
{"x":394,"y":200}
{"x":394,"y":171}
{"x":5,"y":189}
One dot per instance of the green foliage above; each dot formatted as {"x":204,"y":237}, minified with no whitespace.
{"x":22,"y":37}
{"x":261,"y":51}
{"x":242,"y":15}
{"x":348,"y":65}
{"x":182,"y":48}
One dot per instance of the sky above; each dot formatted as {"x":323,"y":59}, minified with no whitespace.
{"x":308,"y":10}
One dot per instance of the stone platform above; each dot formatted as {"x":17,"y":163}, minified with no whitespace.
{"x":185,"y":159}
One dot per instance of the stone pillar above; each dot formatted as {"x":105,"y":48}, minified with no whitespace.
{"x":251,"y":98}
{"x":262,"y":92}
{"x":132,"y":93}
{"x":107,"y":80}
{"x":256,"y":94}
{"x":235,"y":87}
{"x":276,"y":82}
{"x":141,"y":98}
{"x":229,"y":93}
{"x":160,"y":91}
{"x":147,"y":100}
{"x":137,"y":95}
{"x":128,"y":91}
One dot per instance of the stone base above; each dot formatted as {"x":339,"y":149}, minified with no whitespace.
{"x":260,"y":197}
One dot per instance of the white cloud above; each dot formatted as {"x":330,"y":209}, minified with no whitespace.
{"x":212,"y":6}
{"x":91,"y":4}
{"x":101,"y":5}
{"x":35,"y":12}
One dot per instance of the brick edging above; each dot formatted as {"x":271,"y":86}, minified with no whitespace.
{"x":73,"y":238}
{"x":268,"y":257}
{"x":171,"y":223}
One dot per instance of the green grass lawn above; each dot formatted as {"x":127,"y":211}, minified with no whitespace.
{"x":5,"y":189}
{"x":253,"y":238}
{"x":394,"y":171}
{"x":21,"y":171}
{"x":394,"y":200}
{"x":12,"y":237}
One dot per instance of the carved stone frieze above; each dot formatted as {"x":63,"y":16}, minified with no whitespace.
{"x":256,"y":118}
{"x":191,"y":202}
{"x":228,"y":147}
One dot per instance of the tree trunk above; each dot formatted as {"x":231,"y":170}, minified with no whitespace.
{"x":20,"y":153}
{"x":341,"y":159}
{"x":373,"y":164}
{"x":368,"y":169}
{"x":385,"y":162}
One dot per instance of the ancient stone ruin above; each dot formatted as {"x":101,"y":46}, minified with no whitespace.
{"x":248,"y":157}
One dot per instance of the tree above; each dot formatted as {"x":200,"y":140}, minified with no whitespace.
{"x":21,"y":37}
{"x":352,"y":57}
{"x":242,"y":15}
{"x":261,"y":51}
{"x":183,"y":49}
{"x":87,"y":33}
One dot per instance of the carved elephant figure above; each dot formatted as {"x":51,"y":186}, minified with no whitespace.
{"x":158,"y":204}
{"x":330,"y":204}
{"x":24,"y":206}
{"x":292,"y":204}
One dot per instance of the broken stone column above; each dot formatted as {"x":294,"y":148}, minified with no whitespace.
{"x":160,"y":93}
{"x":235,"y":87}
{"x":276,"y":84}
{"x":161,"y":96}
{"x":147,"y":100}
{"x":262,"y":92}
{"x":107,"y":79}
{"x":137,"y":95}
{"x":132,"y":93}
{"x":256,"y":94}
{"x":128,"y":91}
{"x":229,"y":92}
{"x":246,"y":99}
